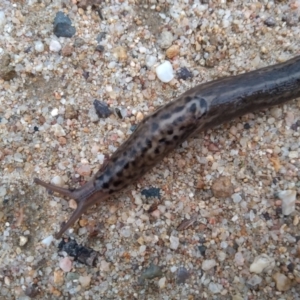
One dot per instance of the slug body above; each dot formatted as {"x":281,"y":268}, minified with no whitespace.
{"x":200,"y":108}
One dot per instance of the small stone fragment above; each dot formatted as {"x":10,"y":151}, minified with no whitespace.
{"x":2,"y":19}
{"x":182,"y":275}
{"x":222,"y":187}
{"x":120,"y":53}
{"x":164,"y":72}
{"x":7,"y":71}
{"x":151,"y":192}
{"x":80,"y":253}
{"x":270,"y":22}
{"x":208,"y":264}
{"x":102,"y":109}
{"x":58,"y":277}
{"x":183,"y":73}
{"x":174,"y":242}
{"x":39,"y":46}
{"x":66,"y":264}
{"x":85,"y":281}
{"x":63,"y":25}
{"x":283,"y":283}
{"x":262,"y":263}
{"x":239,"y":259}
{"x":215,"y":288}
{"x":254,"y":281}
{"x":162,"y":282}
{"x":47,"y":241}
{"x":67,"y":50}
{"x":165,"y":40}
{"x":151,"y":272}
{"x":78,"y":42}
{"x":288,"y":198}
{"x":55,"y":46}
{"x":172,"y":51}
{"x":84,"y":170}
{"x":23,"y":240}
{"x":57,"y":180}
{"x":186,"y":223}
{"x":104,"y":266}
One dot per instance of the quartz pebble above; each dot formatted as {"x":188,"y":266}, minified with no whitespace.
{"x":85,"y":281}
{"x":55,"y":46}
{"x":174,"y":242}
{"x":47,"y":241}
{"x":23,"y":240}
{"x":162,"y":283}
{"x":288,"y":198}
{"x":215,"y":288}
{"x":39,"y":46}
{"x":57,"y":180}
{"x":262,"y":263}
{"x":66,"y":264}
{"x":208,"y":264}
{"x":164,"y":72}
{"x":2,"y":19}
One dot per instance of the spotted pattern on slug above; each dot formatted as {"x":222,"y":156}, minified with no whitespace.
{"x":200,"y":108}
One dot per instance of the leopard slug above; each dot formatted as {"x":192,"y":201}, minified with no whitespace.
{"x":200,"y":108}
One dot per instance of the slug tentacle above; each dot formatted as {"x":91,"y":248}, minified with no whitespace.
{"x":85,"y":197}
{"x":200,"y":108}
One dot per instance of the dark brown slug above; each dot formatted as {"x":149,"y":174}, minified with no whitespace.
{"x":200,"y":108}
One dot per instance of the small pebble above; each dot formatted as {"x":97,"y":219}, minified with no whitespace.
{"x":57,"y":180}
{"x":120,"y":53}
{"x":39,"y":46}
{"x":84,"y":170}
{"x":183,"y":73}
{"x":58,"y":277}
{"x":288,"y":198}
{"x":63,"y":25}
{"x":2,"y":19}
{"x":270,"y":22}
{"x":182,"y":275}
{"x":47,"y":241}
{"x":151,"y":272}
{"x":174,"y":242}
{"x":164,"y":72}
{"x":150,"y":60}
{"x":55,"y":46}
{"x":66,"y":264}
{"x":283,"y":283}
{"x":165,"y":40}
{"x":172,"y":51}
{"x":222,"y":187}
{"x":262,"y":263}
{"x":23,"y":240}
{"x":215,"y":288}
{"x":208,"y":264}
{"x":254,"y":281}
{"x":104,"y":266}
{"x":85,"y":281}
{"x":162,"y":282}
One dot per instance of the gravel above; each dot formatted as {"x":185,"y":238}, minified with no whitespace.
{"x":242,"y":182}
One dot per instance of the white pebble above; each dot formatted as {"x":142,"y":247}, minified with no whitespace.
{"x":55,"y":46}
{"x":236,"y":198}
{"x":262,"y":263}
{"x":174,"y":242}
{"x":23,"y":240}
{"x":2,"y":19}
{"x":57,"y":180}
{"x":47,"y":241}
{"x":215,"y":288}
{"x":208,"y":264}
{"x":54,"y":112}
{"x":293,"y":154}
{"x":162,"y":282}
{"x":39,"y":46}
{"x":104,"y":266}
{"x":2,"y":191}
{"x":164,"y":72}
{"x":288,"y":198}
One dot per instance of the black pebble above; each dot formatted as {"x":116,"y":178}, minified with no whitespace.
{"x":102,"y":109}
{"x":99,"y":48}
{"x":202,"y":249}
{"x":35,"y":128}
{"x":63,"y":25}
{"x":151,"y":192}
{"x":266,"y":215}
{"x":184,"y":73}
{"x":80,"y":253}
{"x":247,"y":126}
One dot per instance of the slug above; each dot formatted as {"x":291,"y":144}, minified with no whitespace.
{"x":200,"y":108}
